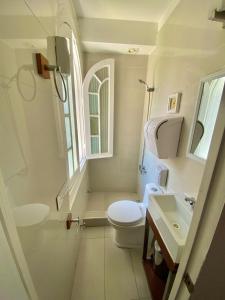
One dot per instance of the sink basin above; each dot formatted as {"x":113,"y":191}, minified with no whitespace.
{"x":172,"y":217}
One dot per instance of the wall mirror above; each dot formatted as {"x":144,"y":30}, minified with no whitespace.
{"x":209,"y":99}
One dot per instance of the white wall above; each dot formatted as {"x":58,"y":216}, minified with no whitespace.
{"x":119,"y":173}
{"x":188,"y":48}
{"x":33,"y":167}
{"x":11,"y":284}
{"x":51,"y":251}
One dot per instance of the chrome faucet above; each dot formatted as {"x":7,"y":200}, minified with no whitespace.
{"x":190,"y":200}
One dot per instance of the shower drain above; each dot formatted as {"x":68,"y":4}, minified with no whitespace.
{"x":177,"y":226}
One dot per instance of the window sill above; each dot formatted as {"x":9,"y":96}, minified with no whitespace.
{"x":74,"y":186}
{"x":71,"y":187}
{"x":83,"y":164}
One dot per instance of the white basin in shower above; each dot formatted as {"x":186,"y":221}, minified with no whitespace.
{"x":31,"y":214}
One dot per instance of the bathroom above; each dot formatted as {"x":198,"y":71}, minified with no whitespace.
{"x":49,"y":176}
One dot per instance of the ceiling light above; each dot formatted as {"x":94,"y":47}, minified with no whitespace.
{"x":133,"y":50}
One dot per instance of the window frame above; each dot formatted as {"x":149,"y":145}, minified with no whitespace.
{"x":76,"y":107}
{"x":72,"y":123}
{"x":109,"y":63}
{"x":78,"y":102}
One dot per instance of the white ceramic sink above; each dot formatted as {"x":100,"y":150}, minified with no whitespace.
{"x":172,"y":217}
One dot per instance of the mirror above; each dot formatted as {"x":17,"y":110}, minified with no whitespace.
{"x":211,"y":91}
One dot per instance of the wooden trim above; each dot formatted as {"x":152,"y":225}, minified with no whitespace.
{"x":166,"y":255}
{"x":41,"y":63}
{"x":145,"y":248}
{"x":155,"y":283}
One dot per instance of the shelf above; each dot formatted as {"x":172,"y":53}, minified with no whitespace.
{"x":156,"y":284}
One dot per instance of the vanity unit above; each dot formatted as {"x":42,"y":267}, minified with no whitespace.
{"x":169,"y":217}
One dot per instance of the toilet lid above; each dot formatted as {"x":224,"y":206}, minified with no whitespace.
{"x":125,"y":212}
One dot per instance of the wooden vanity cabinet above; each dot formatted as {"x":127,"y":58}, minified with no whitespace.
{"x":157,"y":284}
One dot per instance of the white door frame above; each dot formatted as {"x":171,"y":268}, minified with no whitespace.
{"x":205,"y":187}
{"x":8,"y":223}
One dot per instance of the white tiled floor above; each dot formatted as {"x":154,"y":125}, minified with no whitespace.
{"x":106,"y":272}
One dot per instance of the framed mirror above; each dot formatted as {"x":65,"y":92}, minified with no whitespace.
{"x":209,"y":99}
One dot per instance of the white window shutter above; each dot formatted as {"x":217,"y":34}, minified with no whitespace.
{"x":99,"y":109}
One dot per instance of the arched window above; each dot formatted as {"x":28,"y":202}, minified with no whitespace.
{"x":99,"y":109}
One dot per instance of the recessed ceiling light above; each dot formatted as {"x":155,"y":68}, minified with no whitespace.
{"x":133,"y":50}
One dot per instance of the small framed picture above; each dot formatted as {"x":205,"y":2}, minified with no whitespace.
{"x":173,"y":105}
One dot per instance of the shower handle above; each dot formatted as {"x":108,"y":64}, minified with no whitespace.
{"x":77,"y":221}
{"x":70,"y":220}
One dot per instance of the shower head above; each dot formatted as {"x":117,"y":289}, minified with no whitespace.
{"x":142,"y":81}
{"x":148,"y":88}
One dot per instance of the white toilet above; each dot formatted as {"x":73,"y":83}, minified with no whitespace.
{"x":128,"y":218}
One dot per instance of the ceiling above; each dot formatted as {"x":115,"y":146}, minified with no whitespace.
{"x":117,"y":48}
{"x":133,"y":10}
{"x":44,"y":8}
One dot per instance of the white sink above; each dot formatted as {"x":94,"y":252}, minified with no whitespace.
{"x":172,"y":217}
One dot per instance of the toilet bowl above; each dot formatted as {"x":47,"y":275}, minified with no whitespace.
{"x":128,"y":218}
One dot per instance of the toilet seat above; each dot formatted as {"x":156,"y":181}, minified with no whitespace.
{"x":125,"y":213}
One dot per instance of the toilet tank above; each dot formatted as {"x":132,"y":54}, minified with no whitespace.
{"x":151,"y":189}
